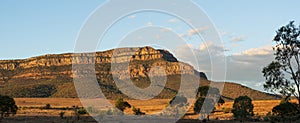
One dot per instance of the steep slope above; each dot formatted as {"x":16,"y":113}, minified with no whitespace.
{"x":52,"y":66}
{"x":51,"y":75}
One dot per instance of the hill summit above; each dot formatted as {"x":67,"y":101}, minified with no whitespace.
{"x":52,"y":75}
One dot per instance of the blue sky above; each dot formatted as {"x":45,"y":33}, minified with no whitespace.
{"x":34,"y":27}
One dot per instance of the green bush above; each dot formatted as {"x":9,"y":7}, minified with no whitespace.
{"x":137,"y":111}
{"x":286,"y":111}
{"x":7,"y":106}
{"x":47,"y":106}
{"x":242,"y":108}
{"x":81,"y":111}
{"x":62,"y":115}
{"x":178,"y":100}
{"x":121,"y":104}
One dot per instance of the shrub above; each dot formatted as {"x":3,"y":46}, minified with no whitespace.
{"x":221,"y":101}
{"x":7,"y":106}
{"x":242,"y":108}
{"x":47,"y":106}
{"x":62,"y":115}
{"x":81,"y":111}
{"x":285,"y":111}
{"x":137,"y":111}
{"x":178,"y":100}
{"x":204,"y":107}
{"x":121,"y":104}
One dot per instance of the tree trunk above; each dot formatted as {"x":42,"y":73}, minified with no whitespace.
{"x":2,"y":115}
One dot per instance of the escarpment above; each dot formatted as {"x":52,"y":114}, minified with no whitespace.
{"x":137,"y":62}
{"x":52,"y":75}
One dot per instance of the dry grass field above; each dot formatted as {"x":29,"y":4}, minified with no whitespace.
{"x":30,"y":112}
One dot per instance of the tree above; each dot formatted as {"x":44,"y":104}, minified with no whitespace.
{"x":79,"y":111}
{"x":285,"y":110}
{"x":283,"y":74}
{"x":211,"y":95}
{"x":47,"y":106}
{"x":221,"y":101}
{"x":178,"y":100}
{"x":121,"y":104}
{"x":137,"y":111}
{"x":7,"y":106}
{"x":210,"y":92}
{"x":204,"y":108}
{"x":242,"y":108}
{"x":62,"y":115}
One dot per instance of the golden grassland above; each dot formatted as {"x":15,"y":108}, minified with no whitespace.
{"x":28,"y":108}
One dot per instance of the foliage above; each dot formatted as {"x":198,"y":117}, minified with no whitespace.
{"x":242,"y":108}
{"x":204,"y":106}
{"x":47,"y":106}
{"x":81,"y":111}
{"x":178,"y":100}
{"x":7,"y":106}
{"x":283,"y":74}
{"x":205,"y":91}
{"x":285,"y":109}
{"x":121,"y":104}
{"x":62,"y":115}
{"x":210,"y":92}
{"x":137,"y":111}
{"x":221,"y":101}
{"x":207,"y":98}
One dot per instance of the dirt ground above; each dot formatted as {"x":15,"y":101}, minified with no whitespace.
{"x":31,"y":110}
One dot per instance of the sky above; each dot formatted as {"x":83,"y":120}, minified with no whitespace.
{"x":34,"y":27}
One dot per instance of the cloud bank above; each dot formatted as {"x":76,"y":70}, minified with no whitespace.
{"x":244,"y":68}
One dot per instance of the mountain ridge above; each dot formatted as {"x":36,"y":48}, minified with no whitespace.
{"x":51,"y":75}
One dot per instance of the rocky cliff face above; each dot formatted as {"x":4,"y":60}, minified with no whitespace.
{"x":138,"y":62}
{"x":51,"y":75}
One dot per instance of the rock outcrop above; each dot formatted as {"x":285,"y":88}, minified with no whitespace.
{"x":51,"y":75}
{"x":137,"y":62}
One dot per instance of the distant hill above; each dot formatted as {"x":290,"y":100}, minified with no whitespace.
{"x":51,"y":75}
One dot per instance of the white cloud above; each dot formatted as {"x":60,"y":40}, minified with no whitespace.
{"x":221,"y":32}
{"x":182,"y":35}
{"x":193,"y":32}
{"x":244,"y":67}
{"x":238,"y":38}
{"x":256,"y":56}
{"x":149,"y":24}
{"x":166,"y":29}
{"x":196,"y":31}
{"x":266,"y":50}
{"x":247,"y":65}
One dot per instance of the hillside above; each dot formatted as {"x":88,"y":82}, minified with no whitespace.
{"x":52,"y":76}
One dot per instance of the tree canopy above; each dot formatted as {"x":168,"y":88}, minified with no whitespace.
{"x":283,"y":74}
{"x":204,"y":108}
{"x":121,"y":104}
{"x":242,"y":108}
{"x":207,"y":97}
{"x":205,"y":91}
{"x":178,"y":100}
{"x":7,"y":106}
